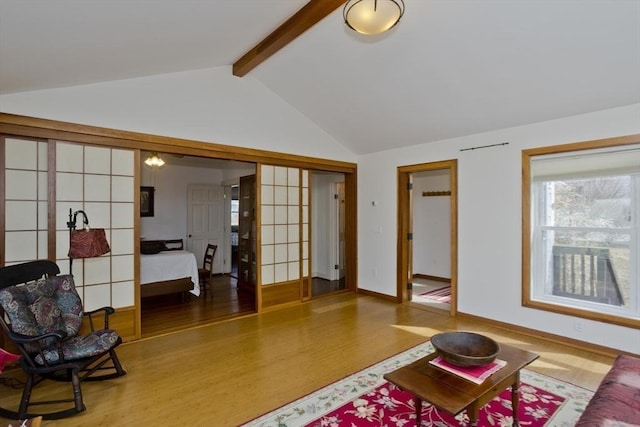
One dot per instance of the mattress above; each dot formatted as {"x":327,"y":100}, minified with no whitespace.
{"x":169,"y":265}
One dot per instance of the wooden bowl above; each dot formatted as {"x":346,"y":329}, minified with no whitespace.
{"x":465,"y":349}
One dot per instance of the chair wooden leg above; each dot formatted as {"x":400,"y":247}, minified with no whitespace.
{"x":116,"y":362}
{"x":77,"y":392}
{"x":23,"y":410}
{"x":26,"y":396}
{"x":115,"y":368}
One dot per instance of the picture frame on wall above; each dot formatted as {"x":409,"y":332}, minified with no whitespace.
{"x":146,"y":201}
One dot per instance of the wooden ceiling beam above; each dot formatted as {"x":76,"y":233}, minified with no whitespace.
{"x":305,"y":18}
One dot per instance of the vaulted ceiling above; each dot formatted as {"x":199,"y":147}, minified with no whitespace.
{"x":450,"y":68}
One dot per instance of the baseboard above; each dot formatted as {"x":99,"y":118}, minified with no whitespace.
{"x":581,"y":345}
{"x":571,"y":342}
{"x":321,"y":276}
{"x":377,"y":295}
{"x":429,"y":277}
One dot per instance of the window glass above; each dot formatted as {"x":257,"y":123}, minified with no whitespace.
{"x":584,"y":232}
{"x":234,"y":213}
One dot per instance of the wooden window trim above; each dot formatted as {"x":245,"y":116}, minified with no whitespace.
{"x":527,"y":301}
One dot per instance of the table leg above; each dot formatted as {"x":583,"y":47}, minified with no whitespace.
{"x":515,"y":397}
{"x":418,"y":410}
{"x":473,"y":412}
{"x":473,"y":417}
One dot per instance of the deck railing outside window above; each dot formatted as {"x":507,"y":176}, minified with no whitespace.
{"x":585,"y":273}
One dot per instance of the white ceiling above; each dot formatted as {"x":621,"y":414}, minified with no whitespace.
{"x":450,"y":68}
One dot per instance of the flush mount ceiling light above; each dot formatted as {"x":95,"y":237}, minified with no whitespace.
{"x":372,"y":16}
{"x":154,"y":160}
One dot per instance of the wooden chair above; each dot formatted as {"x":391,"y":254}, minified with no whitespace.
{"x":206,"y":272}
{"x":43,"y":316}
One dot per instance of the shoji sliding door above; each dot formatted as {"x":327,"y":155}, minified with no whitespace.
{"x":42,"y":181}
{"x":100,"y":182}
{"x":25,"y":200}
{"x":284,"y":234}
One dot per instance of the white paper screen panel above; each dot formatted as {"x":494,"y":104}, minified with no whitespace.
{"x":100,"y":182}
{"x":25,"y":200}
{"x":284,"y":232}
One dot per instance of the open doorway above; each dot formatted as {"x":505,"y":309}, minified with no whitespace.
{"x":427,"y":256}
{"x":193,"y":205}
{"x":226,"y":298}
{"x":328,"y":233}
{"x":431,"y":259}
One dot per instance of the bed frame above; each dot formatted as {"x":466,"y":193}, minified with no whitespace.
{"x":166,"y":287}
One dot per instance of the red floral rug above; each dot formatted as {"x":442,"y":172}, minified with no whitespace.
{"x":365,"y":398}
{"x":387,"y":405}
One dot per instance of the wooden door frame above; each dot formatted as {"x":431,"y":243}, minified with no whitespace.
{"x":337,"y":225}
{"x":405,"y":226}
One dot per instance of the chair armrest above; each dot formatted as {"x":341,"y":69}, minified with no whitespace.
{"x":107,"y":312}
{"x":22,"y":340}
{"x":59,"y":335}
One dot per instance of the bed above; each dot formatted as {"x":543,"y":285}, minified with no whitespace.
{"x":166,"y":268}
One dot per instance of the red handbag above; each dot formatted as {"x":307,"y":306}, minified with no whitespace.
{"x":88,"y":243}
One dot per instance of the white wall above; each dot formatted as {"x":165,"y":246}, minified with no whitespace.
{"x":432,"y":224}
{"x":489,"y":219}
{"x":208,"y":105}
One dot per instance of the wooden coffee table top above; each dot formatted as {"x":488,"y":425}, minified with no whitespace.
{"x":451,"y":392}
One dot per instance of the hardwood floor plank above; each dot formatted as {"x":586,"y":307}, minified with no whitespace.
{"x":229,"y":372}
{"x":170,"y":313}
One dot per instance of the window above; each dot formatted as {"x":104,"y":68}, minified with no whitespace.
{"x":235,"y":217}
{"x":234,"y":213}
{"x":582,"y":230}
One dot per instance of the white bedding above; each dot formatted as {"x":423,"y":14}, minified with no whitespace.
{"x":169,"y":265}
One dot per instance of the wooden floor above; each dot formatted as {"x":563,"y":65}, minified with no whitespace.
{"x":227,"y":373}
{"x":223,"y":301}
{"x":170,"y":313}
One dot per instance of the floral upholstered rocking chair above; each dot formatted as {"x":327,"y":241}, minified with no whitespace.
{"x":45,"y":317}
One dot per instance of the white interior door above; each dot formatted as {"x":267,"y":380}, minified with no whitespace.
{"x":205,"y":222}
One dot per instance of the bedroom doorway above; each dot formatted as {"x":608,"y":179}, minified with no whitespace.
{"x":191,"y":206}
{"x":427,"y":237}
{"x":173,"y":312}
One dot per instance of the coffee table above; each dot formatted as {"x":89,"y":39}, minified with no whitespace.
{"x":454,"y":394}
